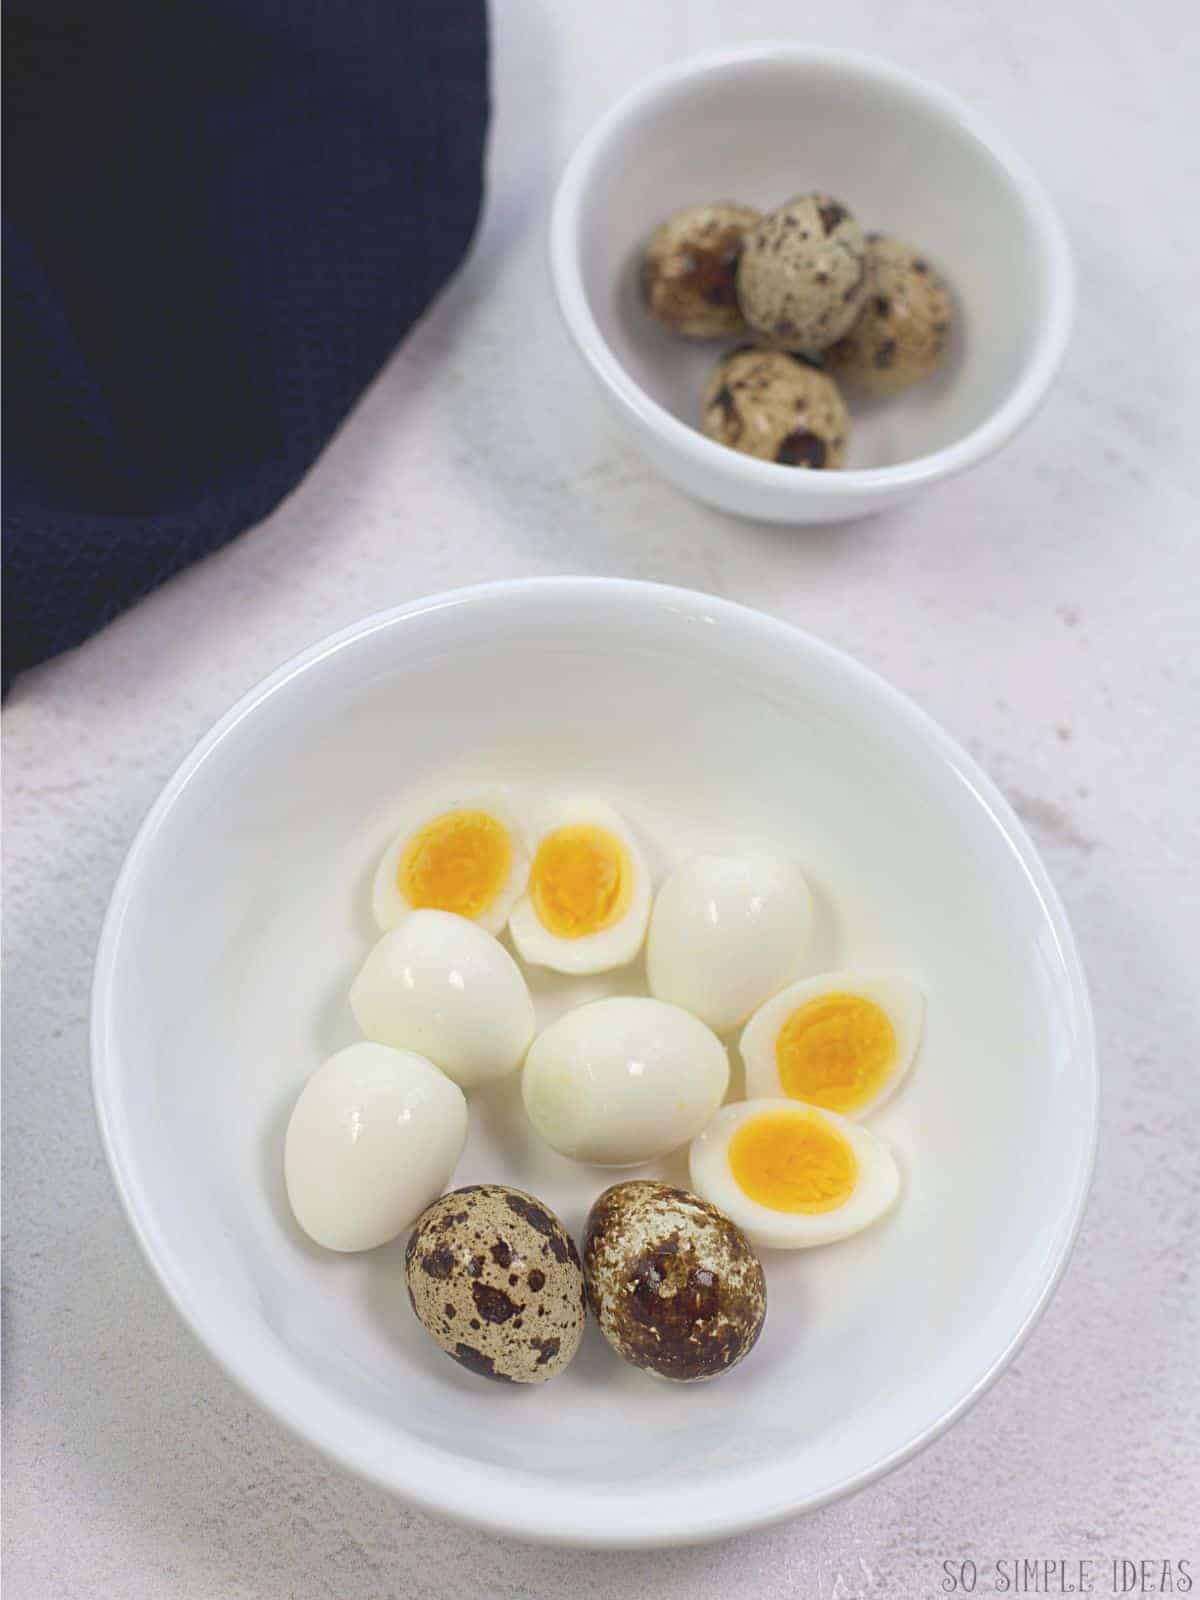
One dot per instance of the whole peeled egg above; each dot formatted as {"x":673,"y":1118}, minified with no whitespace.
{"x":622,"y":1080}
{"x":727,"y":932}
{"x":494,"y":1278}
{"x":439,"y":985}
{"x":674,"y":1284}
{"x":373,"y":1138}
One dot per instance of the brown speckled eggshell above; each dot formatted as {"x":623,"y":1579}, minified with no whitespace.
{"x":801,"y":276}
{"x":674,"y":1285}
{"x":689,"y":269}
{"x":495,"y":1279}
{"x":778,"y":407}
{"x":901,"y":336}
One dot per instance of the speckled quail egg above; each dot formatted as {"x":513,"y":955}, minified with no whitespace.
{"x":674,"y":1284}
{"x":901,"y":334}
{"x":726,"y":932}
{"x":689,"y":270}
{"x":622,"y":1080}
{"x":801,"y":275}
{"x":495,"y":1280}
{"x":588,"y":898}
{"x":843,"y":1040}
{"x":776,"y":407}
{"x":792,"y":1175}
{"x":440,"y":985}
{"x":374,"y":1136}
{"x":459,"y":850}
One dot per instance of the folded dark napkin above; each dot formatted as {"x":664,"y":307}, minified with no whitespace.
{"x":220,"y":217}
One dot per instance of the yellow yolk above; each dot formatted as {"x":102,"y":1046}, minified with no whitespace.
{"x":458,"y":862}
{"x":580,"y":881}
{"x":793,"y":1161}
{"x":835,"y":1052}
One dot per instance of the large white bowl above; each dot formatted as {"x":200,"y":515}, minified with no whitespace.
{"x":242,"y":913}
{"x":760,"y":124}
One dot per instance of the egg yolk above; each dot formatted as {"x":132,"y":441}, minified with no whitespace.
{"x":458,"y":862}
{"x":581,"y":881}
{"x":793,"y":1161}
{"x":835,"y":1052}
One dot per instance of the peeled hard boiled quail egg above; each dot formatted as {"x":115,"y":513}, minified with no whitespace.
{"x":494,"y":1278}
{"x":622,"y":1080}
{"x":375,"y":1135}
{"x":675,"y":1286}
{"x":843,"y":1040}
{"x":588,"y":898}
{"x":727,"y":932}
{"x":439,"y":985}
{"x":791,"y":1175}
{"x":459,"y":851}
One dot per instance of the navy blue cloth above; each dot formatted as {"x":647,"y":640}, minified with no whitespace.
{"x":220,"y":218}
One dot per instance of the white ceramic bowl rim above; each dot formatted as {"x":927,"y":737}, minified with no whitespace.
{"x":514,"y":1503}
{"x":1027,"y":392}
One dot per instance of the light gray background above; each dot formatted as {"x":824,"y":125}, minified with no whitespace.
{"x":1044,"y":608}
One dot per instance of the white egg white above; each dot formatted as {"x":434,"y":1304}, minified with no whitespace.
{"x":610,"y":947}
{"x":373,"y":1139}
{"x":439,"y":985}
{"x":875,"y":1192}
{"x":387,"y":899}
{"x":619,"y":1081}
{"x":898,"y":998}
{"x":726,"y":932}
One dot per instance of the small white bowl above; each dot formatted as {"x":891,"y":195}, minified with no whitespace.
{"x":242,"y":914}
{"x":760,"y":124}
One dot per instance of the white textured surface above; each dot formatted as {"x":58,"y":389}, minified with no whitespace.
{"x":1045,"y":608}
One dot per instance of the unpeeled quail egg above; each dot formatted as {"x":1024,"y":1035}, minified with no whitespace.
{"x":675,"y":1286}
{"x":495,"y":1279}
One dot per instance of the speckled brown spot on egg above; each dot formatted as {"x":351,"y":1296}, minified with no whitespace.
{"x":558,"y":1240}
{"x":475,"y":1361}
{"x":438,"y":1263}
{"x":547,"y":1349}
{"x":503,"y":1247}
{"x":493,"y":1305}
{"x":800,"y":448}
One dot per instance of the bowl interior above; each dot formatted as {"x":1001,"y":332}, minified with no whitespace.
{"x":243,"y":915}
{"x":766,"y":127}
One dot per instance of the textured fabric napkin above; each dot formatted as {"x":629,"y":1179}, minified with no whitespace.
{"x":220,"y":217}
